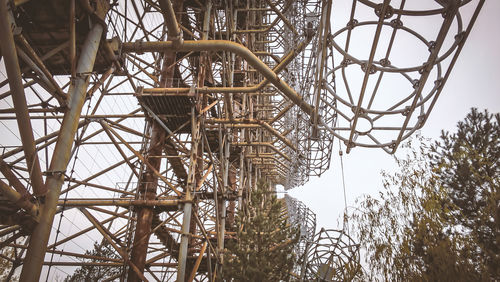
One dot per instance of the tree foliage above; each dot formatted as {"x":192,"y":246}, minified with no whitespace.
{"x":6,"y":264}
{"x":263,"y":250}
{"x":437,"y":217}
{"x":96,"y":273}
{"x":467,"y":165}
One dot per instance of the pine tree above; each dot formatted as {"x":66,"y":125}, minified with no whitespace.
{"x":467,"y":164}
{"x":405,"y":231}
{"x":438,"y":217}
{"x":263,"y":250}
{"x":96,"y":273}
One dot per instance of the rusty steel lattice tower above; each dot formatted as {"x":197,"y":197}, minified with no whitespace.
{"x":144,"y":125}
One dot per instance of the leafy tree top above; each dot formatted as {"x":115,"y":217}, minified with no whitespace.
{"x":263,"y":250}
{"x":437,"y":218}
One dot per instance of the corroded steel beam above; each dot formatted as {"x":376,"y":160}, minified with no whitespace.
{"x":18,"y":98}
{"x":83,"y":231}
{"x":263,"y":144}
{"x":13,"y":180}
{"x":120,"y":202}
{"x":148,"y":163}
{"x":59,"y":94}
{"x":149,"y":180}
{"x":198,"y":262}
{"x":263,"y":124}
{"x":60,"y":158}
{"x":147,"y":190}
{"x":18,"y":199}
{"x":173,"y":29}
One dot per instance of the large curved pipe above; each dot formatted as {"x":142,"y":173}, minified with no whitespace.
{"x":229,"y":46}
{"x":244,"y":89}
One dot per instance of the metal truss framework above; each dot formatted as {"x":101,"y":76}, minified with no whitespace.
{"x":144,"y":125}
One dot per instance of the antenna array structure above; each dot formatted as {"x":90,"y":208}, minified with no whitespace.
{"x":145,"y":125}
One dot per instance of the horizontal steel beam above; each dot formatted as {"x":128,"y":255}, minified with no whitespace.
{"x":108,"y":264}
{"x":122,"y":202}
{"x":256,"y":122}
{"x":263,"y":144}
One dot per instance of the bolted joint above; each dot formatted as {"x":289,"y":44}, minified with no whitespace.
{"x":177,"y":40}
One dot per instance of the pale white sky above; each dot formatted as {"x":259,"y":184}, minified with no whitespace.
{"x":474,"y":82}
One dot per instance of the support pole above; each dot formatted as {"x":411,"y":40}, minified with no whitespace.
{"x":18,"y":98}
{"x":222,"y":202}
{"x":147,"y":190}
{"x":188,"y":206}
{"x":174,"y":32}
{"x":186,"y":219}
{"x":149,"y":181}
{"x":62,"y":152}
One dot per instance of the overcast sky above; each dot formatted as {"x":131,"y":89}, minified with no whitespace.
{"x":474,"y":82}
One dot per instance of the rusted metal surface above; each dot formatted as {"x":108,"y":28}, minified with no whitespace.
{"x":121,"y":202}
{"x":18,"y":199}
{"x":147,"y":191}
{"x":61,"y":156}
{"x":18,"y":98}
{"x":148,"y":187}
